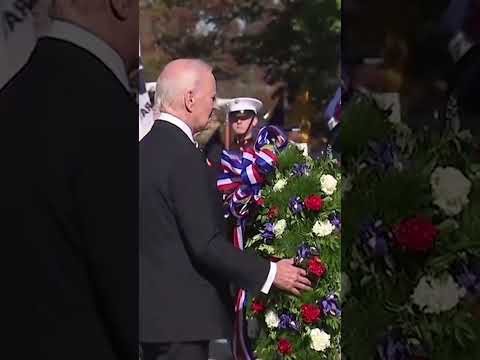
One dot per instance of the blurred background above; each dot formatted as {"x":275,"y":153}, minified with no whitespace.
{"x":402,"y":47}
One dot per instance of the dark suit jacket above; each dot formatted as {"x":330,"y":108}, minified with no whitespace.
{"x":186,"y":260}
{"x":70,"y":144}
{"x":213,"y":151}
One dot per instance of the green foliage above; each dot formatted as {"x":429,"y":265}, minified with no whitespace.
{"x":299,"y":231}
{"x":392,"y":189}
{"x":288,"y":158}
{"x":362,"y":122}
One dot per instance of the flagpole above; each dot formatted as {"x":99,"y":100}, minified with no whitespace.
{"x":227,"y":131}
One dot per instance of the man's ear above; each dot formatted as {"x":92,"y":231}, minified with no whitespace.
{"x":189,"y":100}
{"x":121,"y":8}
{"x":255,"y":121}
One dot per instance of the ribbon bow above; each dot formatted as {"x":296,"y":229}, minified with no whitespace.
{"x":241,"y":183}
{"x":245,"y":174}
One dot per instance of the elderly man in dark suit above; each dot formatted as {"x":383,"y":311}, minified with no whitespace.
{"x":71,"y":188}
{"x":186,"y":261}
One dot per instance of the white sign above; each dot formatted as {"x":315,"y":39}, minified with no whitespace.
{"x":17,"y":36}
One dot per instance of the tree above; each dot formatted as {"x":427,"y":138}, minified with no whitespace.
{"x":297,"y":40}
{"x":299,"y":44}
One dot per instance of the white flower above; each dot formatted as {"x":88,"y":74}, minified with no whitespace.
{"x":391,"y":101}
{"x":347,"y":184}
{"x":450,"y":189}
{"x":271,"y":319}
{"x":303,"y":147}
{"x":323,"y":228}
{"x":320,"y":340}
{"x":279,"y":185}
{"x":434,"y":295}
{"x":279,"y":227}
{"x":269,"y":249}
{"x":346,"y":284}
{"x":328,"y":184}
{"x":465,"y":135}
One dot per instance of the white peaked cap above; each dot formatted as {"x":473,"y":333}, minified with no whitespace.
{"x":150,"y":86}
{"x":244,"y":103}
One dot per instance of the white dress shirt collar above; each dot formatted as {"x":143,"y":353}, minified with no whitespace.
{"x":178,"y":123}
{"x":85,"y":39}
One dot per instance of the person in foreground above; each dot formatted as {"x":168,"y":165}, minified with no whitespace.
{"x":72,"y":188}
{"x":186,"y":261}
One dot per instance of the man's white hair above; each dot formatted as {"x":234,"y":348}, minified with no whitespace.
{"x":172,"y":84}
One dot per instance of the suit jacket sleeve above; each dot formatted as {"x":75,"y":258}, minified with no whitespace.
{"x":108,"y":204}
{"x":197,"y":217}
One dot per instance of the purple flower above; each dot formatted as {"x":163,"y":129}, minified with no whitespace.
{"x":330,"y":305}
{"x":268,"y":234}
{"x":384,"y":155}
{"x":288,"y":322}
{"x":304,"y":252}
{"x":467,"y":274}
{"x":300,"y":170}
{"x":374,"y":238}
{"x":393,"y":346}
{"x":336,"y":220}
{"x":296,"y":205}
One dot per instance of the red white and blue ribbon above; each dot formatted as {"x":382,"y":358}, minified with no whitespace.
{"x":241,"y":183}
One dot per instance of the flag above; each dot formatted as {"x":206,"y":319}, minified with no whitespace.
{"x":145,"y":111}
{"x":454,"y":22}
{"x":332,"y":112}
{"x":17,"y":36}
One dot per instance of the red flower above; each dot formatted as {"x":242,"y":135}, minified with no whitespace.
{"x":285,"y":347}
{"x":415,"y":234}
{"x":310,"y":313}
{"x":273,"y":213}
{"x":313,"y":202}
{"x":261,"y":201}
{"x":257,"y":307}
{"x":316,"y":267}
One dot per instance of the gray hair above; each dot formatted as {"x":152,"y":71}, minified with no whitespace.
{"x":171,"y":85}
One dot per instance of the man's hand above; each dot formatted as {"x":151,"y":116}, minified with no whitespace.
{"x":291,"y":278}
